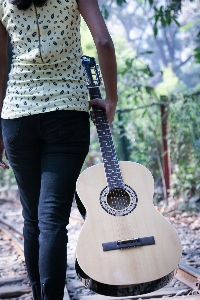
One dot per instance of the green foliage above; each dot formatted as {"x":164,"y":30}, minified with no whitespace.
{"x":165,"y":15}
{"x":169,"y":83}
{"x":105,"y":10}
{"x":186,"y":26}
{"x":138,"y":122}
{"x":120,"y":2}
{"x":162,"y":16}
{"x":137,"y":126}
{"x":184,"y":140}
{"x":197,"y":49}
{"x":87,"y":41}
{"x":197,"y":54}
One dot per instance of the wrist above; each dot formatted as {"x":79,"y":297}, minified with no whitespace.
{"x":112,"y":100}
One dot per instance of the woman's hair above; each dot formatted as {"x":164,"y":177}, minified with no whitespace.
{"x":24,"y":4}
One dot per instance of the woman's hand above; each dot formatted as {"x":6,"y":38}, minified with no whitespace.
{"x":107,"y":105}
{"x":3,"y":165}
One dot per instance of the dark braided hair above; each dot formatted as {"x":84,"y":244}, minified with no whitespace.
{"x":25,"y":4}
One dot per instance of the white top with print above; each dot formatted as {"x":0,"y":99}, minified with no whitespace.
{"x":46,"y":72}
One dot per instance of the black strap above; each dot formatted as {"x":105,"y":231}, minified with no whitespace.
{"x":128,"y":243}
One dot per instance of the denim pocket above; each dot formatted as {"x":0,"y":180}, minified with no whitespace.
{"x":74,"y":126}
{"x":10,"y":129}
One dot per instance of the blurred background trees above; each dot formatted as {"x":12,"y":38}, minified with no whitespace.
{"x":158,"y":53}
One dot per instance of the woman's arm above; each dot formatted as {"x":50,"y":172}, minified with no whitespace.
{"x":3,"y":77}
{"x":90,"y":11}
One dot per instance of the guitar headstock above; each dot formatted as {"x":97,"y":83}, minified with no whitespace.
{"x":91,"y":71}
{"x":93,"y":79}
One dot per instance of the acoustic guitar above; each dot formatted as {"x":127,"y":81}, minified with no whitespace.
{"x":126,"y":247}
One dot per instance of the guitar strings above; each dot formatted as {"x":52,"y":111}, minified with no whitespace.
{"x":114,"y":200}
{"x":117,"y":198}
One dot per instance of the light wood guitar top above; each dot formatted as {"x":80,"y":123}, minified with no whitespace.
{"x":131,"y":265}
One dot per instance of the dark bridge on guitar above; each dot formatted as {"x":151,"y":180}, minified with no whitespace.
{"x":135,"y":242}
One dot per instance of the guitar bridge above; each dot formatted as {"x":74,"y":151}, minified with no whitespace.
{"x":134,"y":242}
{"x":128,"y":241}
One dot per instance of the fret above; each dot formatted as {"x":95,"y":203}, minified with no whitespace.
{"x":109,"y":156}
{"x":94,"y":93}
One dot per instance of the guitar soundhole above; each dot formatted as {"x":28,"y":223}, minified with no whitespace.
{"x":118,"y":199}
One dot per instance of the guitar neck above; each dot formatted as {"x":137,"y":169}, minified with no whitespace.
{"x":111,"y":164}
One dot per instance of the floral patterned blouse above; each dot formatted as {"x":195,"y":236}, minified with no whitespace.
{"x":46,"y":72}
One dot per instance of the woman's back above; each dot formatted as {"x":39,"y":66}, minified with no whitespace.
{"x":47,"y":34}
{"x":46,"y":73}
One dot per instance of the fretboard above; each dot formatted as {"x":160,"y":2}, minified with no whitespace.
{"x":111,"y":164}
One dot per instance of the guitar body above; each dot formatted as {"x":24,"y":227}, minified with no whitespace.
{"x":126,"y":247}
{"x":132,"y":270}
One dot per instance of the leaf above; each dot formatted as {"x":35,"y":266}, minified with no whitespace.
{"x":120,"y":2}
{"x":104,"y":12}
{"x":177,"y":23}
{"x":155,"y":9}
{"x":163,"y":21}
{"x":168,"y":16}
{"x":156,"y":17}
{"x":144,"y":113}
{"x":197,"y":54}
{"x":148,"y":89}
{"x":155,"y":29}
{"x":146,"y":52}
{"x":149,"y":72}
{"x":187,"y":26}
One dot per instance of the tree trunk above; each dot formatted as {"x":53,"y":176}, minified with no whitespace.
{"x":165,"y":150}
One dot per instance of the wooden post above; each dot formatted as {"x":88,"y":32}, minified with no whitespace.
{"x":123,"y":139}
{"x":165,"y":150}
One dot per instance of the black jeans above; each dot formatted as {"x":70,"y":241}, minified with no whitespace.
{"x":46,"y":152}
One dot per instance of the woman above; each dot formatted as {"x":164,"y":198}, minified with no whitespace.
{"x":45,"y":121}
